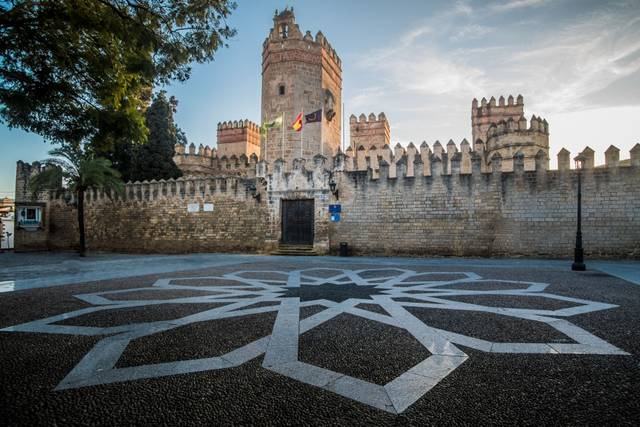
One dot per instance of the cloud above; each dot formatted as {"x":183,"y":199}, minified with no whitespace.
{"x":462,"y":8}
{"x":509,"y":5}
{"x":425,"y":79}
{"x":582,"y":58}
{"x":471,"y":32}
{"x":411,"y":36}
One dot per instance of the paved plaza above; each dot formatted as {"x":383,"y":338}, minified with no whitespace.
{"x":242,"y":339}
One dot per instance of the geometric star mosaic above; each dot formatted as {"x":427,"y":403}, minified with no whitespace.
{"x":394,"y":290}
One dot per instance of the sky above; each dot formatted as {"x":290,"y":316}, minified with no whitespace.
{"x":576,"y":62}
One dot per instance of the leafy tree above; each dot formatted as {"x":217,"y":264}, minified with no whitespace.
{"x":154,"y":159}
{"x":81,"y":171}
{"x":79,"y":71}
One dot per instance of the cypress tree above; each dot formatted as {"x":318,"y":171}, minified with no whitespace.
{"x":154,"y":159}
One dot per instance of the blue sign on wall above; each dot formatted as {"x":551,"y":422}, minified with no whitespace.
{"x":335,"y":217}
{"x":335,"y":208}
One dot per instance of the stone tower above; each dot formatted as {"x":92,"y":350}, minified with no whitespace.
{"x":369,"y":132}
{"x":300,"y":73}
{"x":502,"y":129}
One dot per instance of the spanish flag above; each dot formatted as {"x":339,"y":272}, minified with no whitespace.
{"x":297,"y":124}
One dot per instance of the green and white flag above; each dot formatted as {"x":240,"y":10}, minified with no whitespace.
{"x":273,"y":124}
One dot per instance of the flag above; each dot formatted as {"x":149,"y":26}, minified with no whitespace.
{"x":297,"y":124}
{"x":273,"y":124}
{"x":316,"y":116}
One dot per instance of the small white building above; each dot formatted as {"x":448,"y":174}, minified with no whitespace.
{"x":7,"y":229}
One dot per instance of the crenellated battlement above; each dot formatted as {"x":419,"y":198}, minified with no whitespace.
{"x":238,"y":137}
{"x":205,"y":161}
{"x":486,"y":113}
{"x":188,"y":187}
{"x":239,"y":124}
{"x":503,"y":127}
{"x":286,"y":42}
{"x":412,"y":161}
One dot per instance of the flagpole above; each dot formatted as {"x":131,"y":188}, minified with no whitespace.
{"x":266,"y":139}
{"x":343,"y":127}
{"x":321,"y":141}
{"x":301,"y":131}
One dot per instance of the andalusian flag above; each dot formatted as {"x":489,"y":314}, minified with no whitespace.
{"x":273,"y":124}
{"x":297,"y":124}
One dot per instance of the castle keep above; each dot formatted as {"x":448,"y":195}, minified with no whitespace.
{"x":494,"y":196}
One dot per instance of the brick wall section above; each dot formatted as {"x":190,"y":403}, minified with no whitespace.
{"x":144,"y":223}
{"x":496,"y":214}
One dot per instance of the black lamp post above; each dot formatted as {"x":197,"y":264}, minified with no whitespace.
{"x":578,"y":259}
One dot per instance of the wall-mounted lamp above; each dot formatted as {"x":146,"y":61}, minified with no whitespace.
{"x":254,"y":192}
{"x":333,"y":187}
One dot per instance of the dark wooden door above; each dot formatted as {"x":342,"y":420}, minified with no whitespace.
{"x":297,"y":222}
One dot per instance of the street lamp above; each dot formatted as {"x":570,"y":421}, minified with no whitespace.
{"x":578,"y":258}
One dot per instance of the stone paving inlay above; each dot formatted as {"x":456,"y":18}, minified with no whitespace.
{"x":301,"y":300}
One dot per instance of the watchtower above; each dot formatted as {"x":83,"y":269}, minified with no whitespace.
{"x":300,"y":73}
{"x":488,"y":113}
{"x":369,"y":131}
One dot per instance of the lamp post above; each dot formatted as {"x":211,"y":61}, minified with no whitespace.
{"x":578,"y":258}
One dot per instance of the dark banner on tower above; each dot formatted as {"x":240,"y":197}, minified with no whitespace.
{"x":316,"y":116}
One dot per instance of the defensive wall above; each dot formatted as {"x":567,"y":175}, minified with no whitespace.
{"x":182,"y":215}
{"x":410,"y":201}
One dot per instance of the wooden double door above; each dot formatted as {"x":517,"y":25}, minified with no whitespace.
{"x":297,"y":222}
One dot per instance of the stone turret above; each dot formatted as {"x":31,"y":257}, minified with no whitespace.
{"x":300,"y":73}
{"x":238,"y":138}
{"x":369,"y":131}
{"x":500,"y":127}
{"x":488,"y":113}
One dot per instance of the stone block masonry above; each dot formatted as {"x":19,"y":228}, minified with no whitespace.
{"x":154,"y":217}
{"x":428,"y":210}
{"x":402,"y":202}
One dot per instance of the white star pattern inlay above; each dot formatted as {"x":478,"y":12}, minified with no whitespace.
{"x":395,"y":290}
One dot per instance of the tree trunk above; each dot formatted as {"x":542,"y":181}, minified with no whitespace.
{"x":83,"y":247}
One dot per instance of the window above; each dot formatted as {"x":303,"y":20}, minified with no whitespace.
{"x":281,"y":90}
{"x":284,"y":31}
{"x":29,"y":217}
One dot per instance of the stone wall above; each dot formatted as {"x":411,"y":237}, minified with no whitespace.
{"x":431,"y":211}
{"x":401,"y":202}
{"x":154,"y":217}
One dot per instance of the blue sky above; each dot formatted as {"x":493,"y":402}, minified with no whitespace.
{"x":576,"y":62}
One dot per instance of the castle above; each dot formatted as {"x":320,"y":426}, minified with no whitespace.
{"x":274,"y":189}
{"x":301,"y":73}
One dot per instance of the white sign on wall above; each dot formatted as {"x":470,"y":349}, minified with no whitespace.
{"x":207,"y":207}
{"x":193,"y":207}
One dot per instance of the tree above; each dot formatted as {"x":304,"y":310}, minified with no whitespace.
{"x":77,"y":71}
{"x":154,"y":159}
{"x":81,"y":171}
